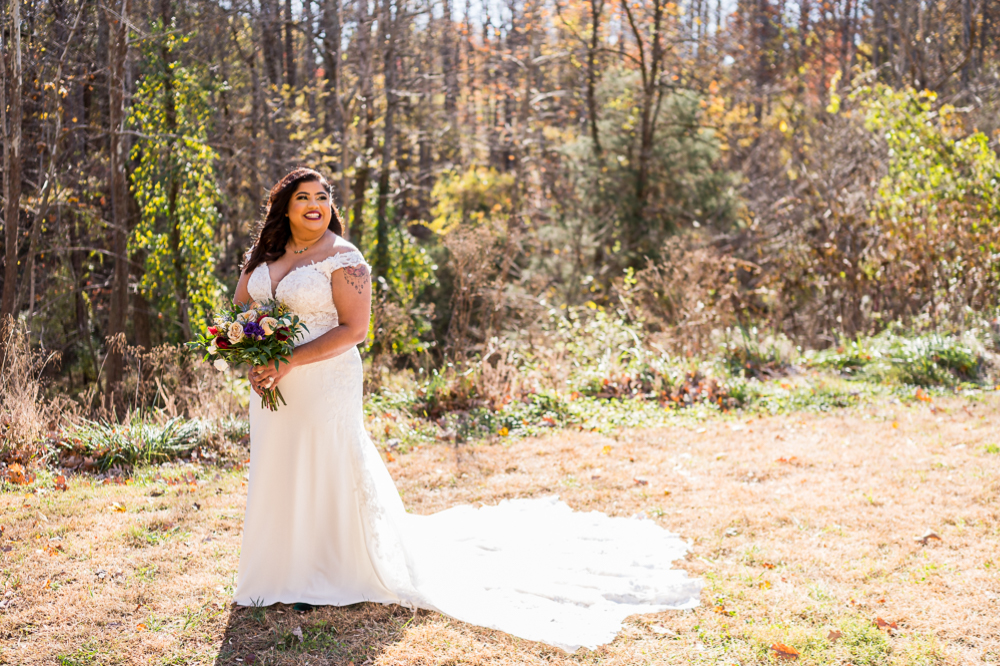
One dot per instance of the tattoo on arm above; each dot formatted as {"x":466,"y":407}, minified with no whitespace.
{"x":357,"y":277}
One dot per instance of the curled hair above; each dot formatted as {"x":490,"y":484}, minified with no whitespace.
{"x":276,"y":229}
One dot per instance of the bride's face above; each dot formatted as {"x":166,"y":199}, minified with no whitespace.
{"x":309,"y":210}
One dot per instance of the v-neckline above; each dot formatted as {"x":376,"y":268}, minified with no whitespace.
{"x":274,"y":286}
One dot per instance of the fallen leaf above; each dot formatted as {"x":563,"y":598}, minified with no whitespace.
{"x":929,"y":535}
{"x":297,"y":632}
{"x":833,"y":636}
{"x":922,"y":395}
{"x":60,"y":483}
{"x":639,"y":481}
{"x":197,"y":507}
{"x":788,"y":461}
{"x":885,"y":626}
{"x":118,"y":508}
{"x":767,"y":565}
{"x":140,"y":627}
{"x":17,"y":475}
{"x":606,"y":450}
{"x":765,"y":585}
{"x":785,"y":651}
{"x":48,"y":584}
{"x":895,"y":424}
{"x":389,"y":457}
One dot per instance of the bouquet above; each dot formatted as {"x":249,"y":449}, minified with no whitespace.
{"x":255,"y":334}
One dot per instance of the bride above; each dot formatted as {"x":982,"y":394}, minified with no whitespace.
{"x":324,"y":522}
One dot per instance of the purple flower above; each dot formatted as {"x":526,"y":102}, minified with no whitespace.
{"x":254,"y":330}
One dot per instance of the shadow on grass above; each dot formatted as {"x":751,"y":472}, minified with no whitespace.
{"x":338,"y":634}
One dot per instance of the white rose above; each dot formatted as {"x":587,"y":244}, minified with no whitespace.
{"x":235,"y":332}
{"x":220,"y":364}
{"x":268,"y":324}
{"x":246,"y":317}
{"x":212,"y":348}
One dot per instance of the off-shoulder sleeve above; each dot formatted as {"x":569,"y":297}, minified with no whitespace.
{"x":342,"y":260}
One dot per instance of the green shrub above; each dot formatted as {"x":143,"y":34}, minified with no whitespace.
{"x":127,"y":445}
{"x":924,"y":360}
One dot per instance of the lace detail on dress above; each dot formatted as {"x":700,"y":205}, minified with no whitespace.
{"x":259,"y":284}
{"x":341,"y":260}
{"x":307,"y":291}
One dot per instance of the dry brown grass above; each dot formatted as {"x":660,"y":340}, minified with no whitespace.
{"x":799,"y":524}
{"x":24,"y":414}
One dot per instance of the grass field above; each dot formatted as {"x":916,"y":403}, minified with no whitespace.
{"x":806,"y":528}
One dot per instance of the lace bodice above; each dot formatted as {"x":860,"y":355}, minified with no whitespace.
{"x":306,"y":290}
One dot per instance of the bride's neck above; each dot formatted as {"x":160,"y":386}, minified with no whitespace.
{"x":299,"y":241}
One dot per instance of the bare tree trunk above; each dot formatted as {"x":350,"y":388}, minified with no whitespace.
{"x":650,"y":70}
{"x":448,"y":62}
{"x":117,"y":53}
{"x":847,"y":39}
{"x":387,"y":25}
{"x":967,"y":42}
{"x":309,"y":55}
{"x":270,"y":40}
{"x":333,"y":119}
{"x":362,"y":170}
{"x":290,"y":68}
{"x":596,"y":9}
{"x":142,"y":328}
{"x":12,"y":158}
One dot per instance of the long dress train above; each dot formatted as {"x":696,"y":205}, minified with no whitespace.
{"x":325,"y":524}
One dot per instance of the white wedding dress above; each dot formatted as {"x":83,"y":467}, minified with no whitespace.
{"x":325,"y":524}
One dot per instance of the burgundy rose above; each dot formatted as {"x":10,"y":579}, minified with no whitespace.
{"x":221,"y":343}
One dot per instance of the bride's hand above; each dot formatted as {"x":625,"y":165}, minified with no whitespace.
{"x":253,"y":383}
{"x":264,"y":377}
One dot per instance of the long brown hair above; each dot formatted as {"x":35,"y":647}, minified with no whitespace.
{"x":276,"y":229}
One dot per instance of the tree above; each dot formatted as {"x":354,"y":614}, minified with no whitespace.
{"x":174,"y":184}
{"x":117,"y":54}
{"x":12,"y":158}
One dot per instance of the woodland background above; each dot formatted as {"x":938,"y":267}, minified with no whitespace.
{"x":585,"y":194}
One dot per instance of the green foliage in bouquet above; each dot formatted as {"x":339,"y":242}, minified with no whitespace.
{"x":257,"y":333}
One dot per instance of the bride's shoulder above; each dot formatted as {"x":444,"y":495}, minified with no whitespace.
{"x":342,"y":255}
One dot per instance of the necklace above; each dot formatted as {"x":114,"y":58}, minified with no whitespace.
{"x":302,"y":250}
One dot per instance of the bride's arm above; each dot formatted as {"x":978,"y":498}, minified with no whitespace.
{"x":352,"y":296}
{"x":242,"y":295}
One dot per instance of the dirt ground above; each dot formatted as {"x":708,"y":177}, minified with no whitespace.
{"x":809,"y":530}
